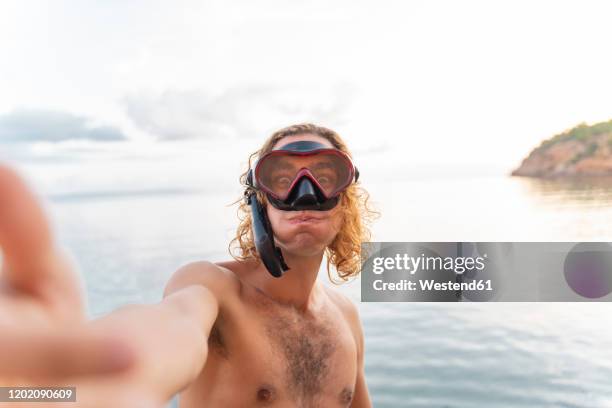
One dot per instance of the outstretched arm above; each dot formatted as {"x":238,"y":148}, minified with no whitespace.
{"x":171,"y":338}
{"x":136,"y":356}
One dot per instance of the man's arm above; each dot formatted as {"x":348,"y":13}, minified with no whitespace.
{"x":361,"y":398}
{"x":170,"y":338}
{"x":135,"y":356}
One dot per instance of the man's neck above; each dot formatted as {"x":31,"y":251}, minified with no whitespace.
{"x":298,"y":286}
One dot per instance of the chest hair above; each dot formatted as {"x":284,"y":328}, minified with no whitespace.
{"x":305,"y":347}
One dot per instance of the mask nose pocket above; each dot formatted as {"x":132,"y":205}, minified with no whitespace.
{"x":304,"y":195}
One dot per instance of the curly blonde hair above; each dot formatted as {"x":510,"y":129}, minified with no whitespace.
{"x":345,"y":250}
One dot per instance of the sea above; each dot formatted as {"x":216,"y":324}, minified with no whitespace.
{"x":127,"y":244}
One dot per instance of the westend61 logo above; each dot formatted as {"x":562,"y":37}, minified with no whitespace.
{"x":412,"y":264}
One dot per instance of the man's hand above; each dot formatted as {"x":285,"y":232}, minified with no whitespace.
{"x":136,"y":356}
{"x":44,"y":338}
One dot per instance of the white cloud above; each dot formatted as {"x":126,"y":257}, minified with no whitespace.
{"x":240,"y":112}
{"x":52,"y":126}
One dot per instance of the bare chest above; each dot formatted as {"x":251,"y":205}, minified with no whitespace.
{"x":279,"y":358}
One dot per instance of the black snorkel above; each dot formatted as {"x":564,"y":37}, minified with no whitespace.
{"x":270,"y":254}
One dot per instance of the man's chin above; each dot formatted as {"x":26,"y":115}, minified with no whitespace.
{"x":303,"y":249}
{"x":304,"y":253}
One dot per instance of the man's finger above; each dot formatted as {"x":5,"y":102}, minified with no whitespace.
{"x":42,"y":354}
{"x":25,"y":235}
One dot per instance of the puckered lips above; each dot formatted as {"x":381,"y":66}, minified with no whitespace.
{"x":306,"y":217}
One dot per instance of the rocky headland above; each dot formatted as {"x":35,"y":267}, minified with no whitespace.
{"x":581,"y":151}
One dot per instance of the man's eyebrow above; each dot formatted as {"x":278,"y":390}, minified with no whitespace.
{"x":283,"y":164}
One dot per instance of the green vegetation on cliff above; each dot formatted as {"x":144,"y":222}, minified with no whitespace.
{"x":581,"y":133}
{"x":582,"y":150}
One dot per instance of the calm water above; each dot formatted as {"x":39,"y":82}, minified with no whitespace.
{"x":417,"y":355}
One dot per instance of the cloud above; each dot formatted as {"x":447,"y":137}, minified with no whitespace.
{"x":238,"y":112}
{"x":28,"y":125}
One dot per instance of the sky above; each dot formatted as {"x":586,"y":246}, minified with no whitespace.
{"x":96,"y":96}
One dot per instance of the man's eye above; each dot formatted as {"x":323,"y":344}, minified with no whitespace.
{"x":324,"y":180}
{"x":282,"y":181}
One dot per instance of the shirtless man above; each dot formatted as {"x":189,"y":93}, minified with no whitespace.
{"x":256,"y":331}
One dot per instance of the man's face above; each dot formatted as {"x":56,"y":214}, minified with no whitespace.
{"x":304,"y":233}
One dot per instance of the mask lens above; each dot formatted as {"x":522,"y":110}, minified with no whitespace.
{"x":278,"y":171}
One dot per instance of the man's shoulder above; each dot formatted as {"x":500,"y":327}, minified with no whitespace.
{"x":343,"y":303}
{"x":216,"y":277}
{"x":351,"y":314}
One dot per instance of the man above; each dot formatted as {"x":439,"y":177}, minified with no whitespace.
{"x":256,"y":331}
